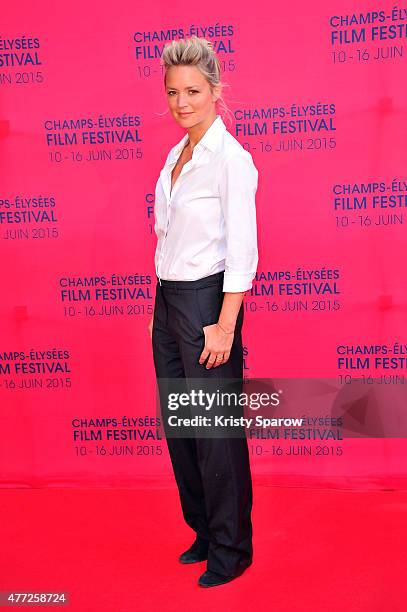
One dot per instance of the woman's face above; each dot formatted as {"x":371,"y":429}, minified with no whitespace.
{"x":189,"y":95}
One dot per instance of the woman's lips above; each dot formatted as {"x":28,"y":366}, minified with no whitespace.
{"x":184,"y":114}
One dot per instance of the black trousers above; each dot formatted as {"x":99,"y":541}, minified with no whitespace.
{"x":212,"y":474}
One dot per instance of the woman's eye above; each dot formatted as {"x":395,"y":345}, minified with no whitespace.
{"x":191,"y":91}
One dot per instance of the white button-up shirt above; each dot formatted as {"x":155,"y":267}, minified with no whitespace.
{"x":207,"y":223}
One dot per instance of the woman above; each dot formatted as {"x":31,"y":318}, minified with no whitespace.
{"x":206,"y":259}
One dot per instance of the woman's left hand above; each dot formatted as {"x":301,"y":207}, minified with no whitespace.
{"x":217,"y":346}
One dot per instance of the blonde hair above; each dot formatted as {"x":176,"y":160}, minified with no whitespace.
{"x":197,"y":52}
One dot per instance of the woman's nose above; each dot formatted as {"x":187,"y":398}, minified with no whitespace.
{"x":181,"y":101}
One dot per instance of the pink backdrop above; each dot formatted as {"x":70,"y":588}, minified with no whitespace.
{"x":319,"y":99}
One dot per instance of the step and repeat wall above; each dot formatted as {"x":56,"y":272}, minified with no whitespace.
{"x":318,"y":96}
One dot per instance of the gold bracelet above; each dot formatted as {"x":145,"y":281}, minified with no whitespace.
{"x":224,"y":330}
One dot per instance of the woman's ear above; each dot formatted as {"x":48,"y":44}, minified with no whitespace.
{"x":216,"y":92}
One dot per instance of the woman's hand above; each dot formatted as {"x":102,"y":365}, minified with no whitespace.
{"x":150,"y":326}
{"x":217,"y":346}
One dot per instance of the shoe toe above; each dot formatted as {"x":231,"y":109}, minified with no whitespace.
{"x":209,"y":579}
{"x":192,"y":557}
{"x":195,"y":553}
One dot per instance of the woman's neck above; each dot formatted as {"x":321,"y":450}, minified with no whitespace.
{"x":196,"y":132}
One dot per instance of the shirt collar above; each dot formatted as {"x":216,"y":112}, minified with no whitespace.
{"x":209,"y":140}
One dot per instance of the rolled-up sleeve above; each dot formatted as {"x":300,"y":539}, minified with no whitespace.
{"x":238,"y":186}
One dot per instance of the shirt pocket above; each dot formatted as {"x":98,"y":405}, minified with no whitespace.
{"x":199,"y":198}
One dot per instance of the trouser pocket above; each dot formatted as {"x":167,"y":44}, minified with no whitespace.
{"x":209,"y":302}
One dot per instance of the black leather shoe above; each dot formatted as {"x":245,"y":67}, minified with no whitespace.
{"x":210,"y":579}
{"x":197,"y":552}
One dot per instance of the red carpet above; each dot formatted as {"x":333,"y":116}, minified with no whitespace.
{"x":116,"y":550}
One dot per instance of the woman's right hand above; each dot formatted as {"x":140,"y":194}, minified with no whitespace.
{"x":150,"y":326}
